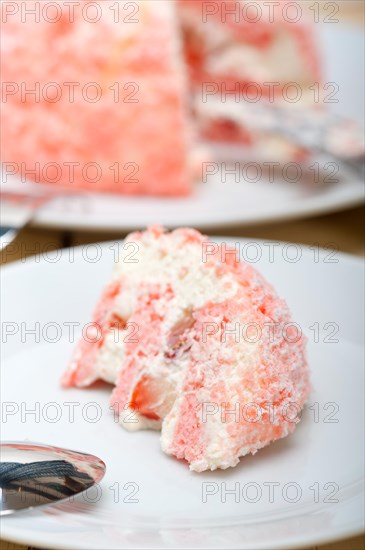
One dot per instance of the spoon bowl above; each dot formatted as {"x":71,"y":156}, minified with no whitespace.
{"x":33,"y":474}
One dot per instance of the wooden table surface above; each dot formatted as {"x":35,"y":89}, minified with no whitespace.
{"x":343,"y":231}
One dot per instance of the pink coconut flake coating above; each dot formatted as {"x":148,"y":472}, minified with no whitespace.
{"x":111,"y":110}
{"x":215,"y":394}
{"x":81,"y":371}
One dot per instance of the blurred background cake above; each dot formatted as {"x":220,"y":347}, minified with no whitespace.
{"x":241,"y":56}
{"x":110,"y":108}
{"x":128,"y":89}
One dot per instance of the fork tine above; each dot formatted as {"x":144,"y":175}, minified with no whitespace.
{"x":24,"y":199}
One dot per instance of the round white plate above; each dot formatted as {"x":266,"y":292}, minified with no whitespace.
{"x":239,"y":200}
{"x":150,"y":500}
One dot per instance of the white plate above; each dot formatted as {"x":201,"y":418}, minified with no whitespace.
{"x":217,"y":204}
{"x":323,"y":457}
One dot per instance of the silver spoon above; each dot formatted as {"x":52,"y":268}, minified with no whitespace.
{"x":32,"y":474}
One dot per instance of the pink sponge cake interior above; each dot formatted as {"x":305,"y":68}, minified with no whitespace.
{"x":109,"y":109}
{"x":197,"y":345}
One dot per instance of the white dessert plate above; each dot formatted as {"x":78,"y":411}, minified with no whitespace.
{"x":240,"y":199}
{"x":303,"y":490}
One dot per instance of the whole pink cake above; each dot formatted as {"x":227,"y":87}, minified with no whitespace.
{"x":199,"y":346}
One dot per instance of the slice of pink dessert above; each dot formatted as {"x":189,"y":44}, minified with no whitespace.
{"x":97,"y":98}
{"x":198,"y":345}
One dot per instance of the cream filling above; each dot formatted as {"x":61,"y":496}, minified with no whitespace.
{"x":281,"y":61}
{"x":160,"y":260}
{"x":169,"y":260}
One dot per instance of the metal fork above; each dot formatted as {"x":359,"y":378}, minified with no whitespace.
{"x":19,"y":207}
{"x":318,"y":131}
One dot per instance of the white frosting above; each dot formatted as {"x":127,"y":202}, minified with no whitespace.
{"x":132,"y":421}
{"x":165,"y":260}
